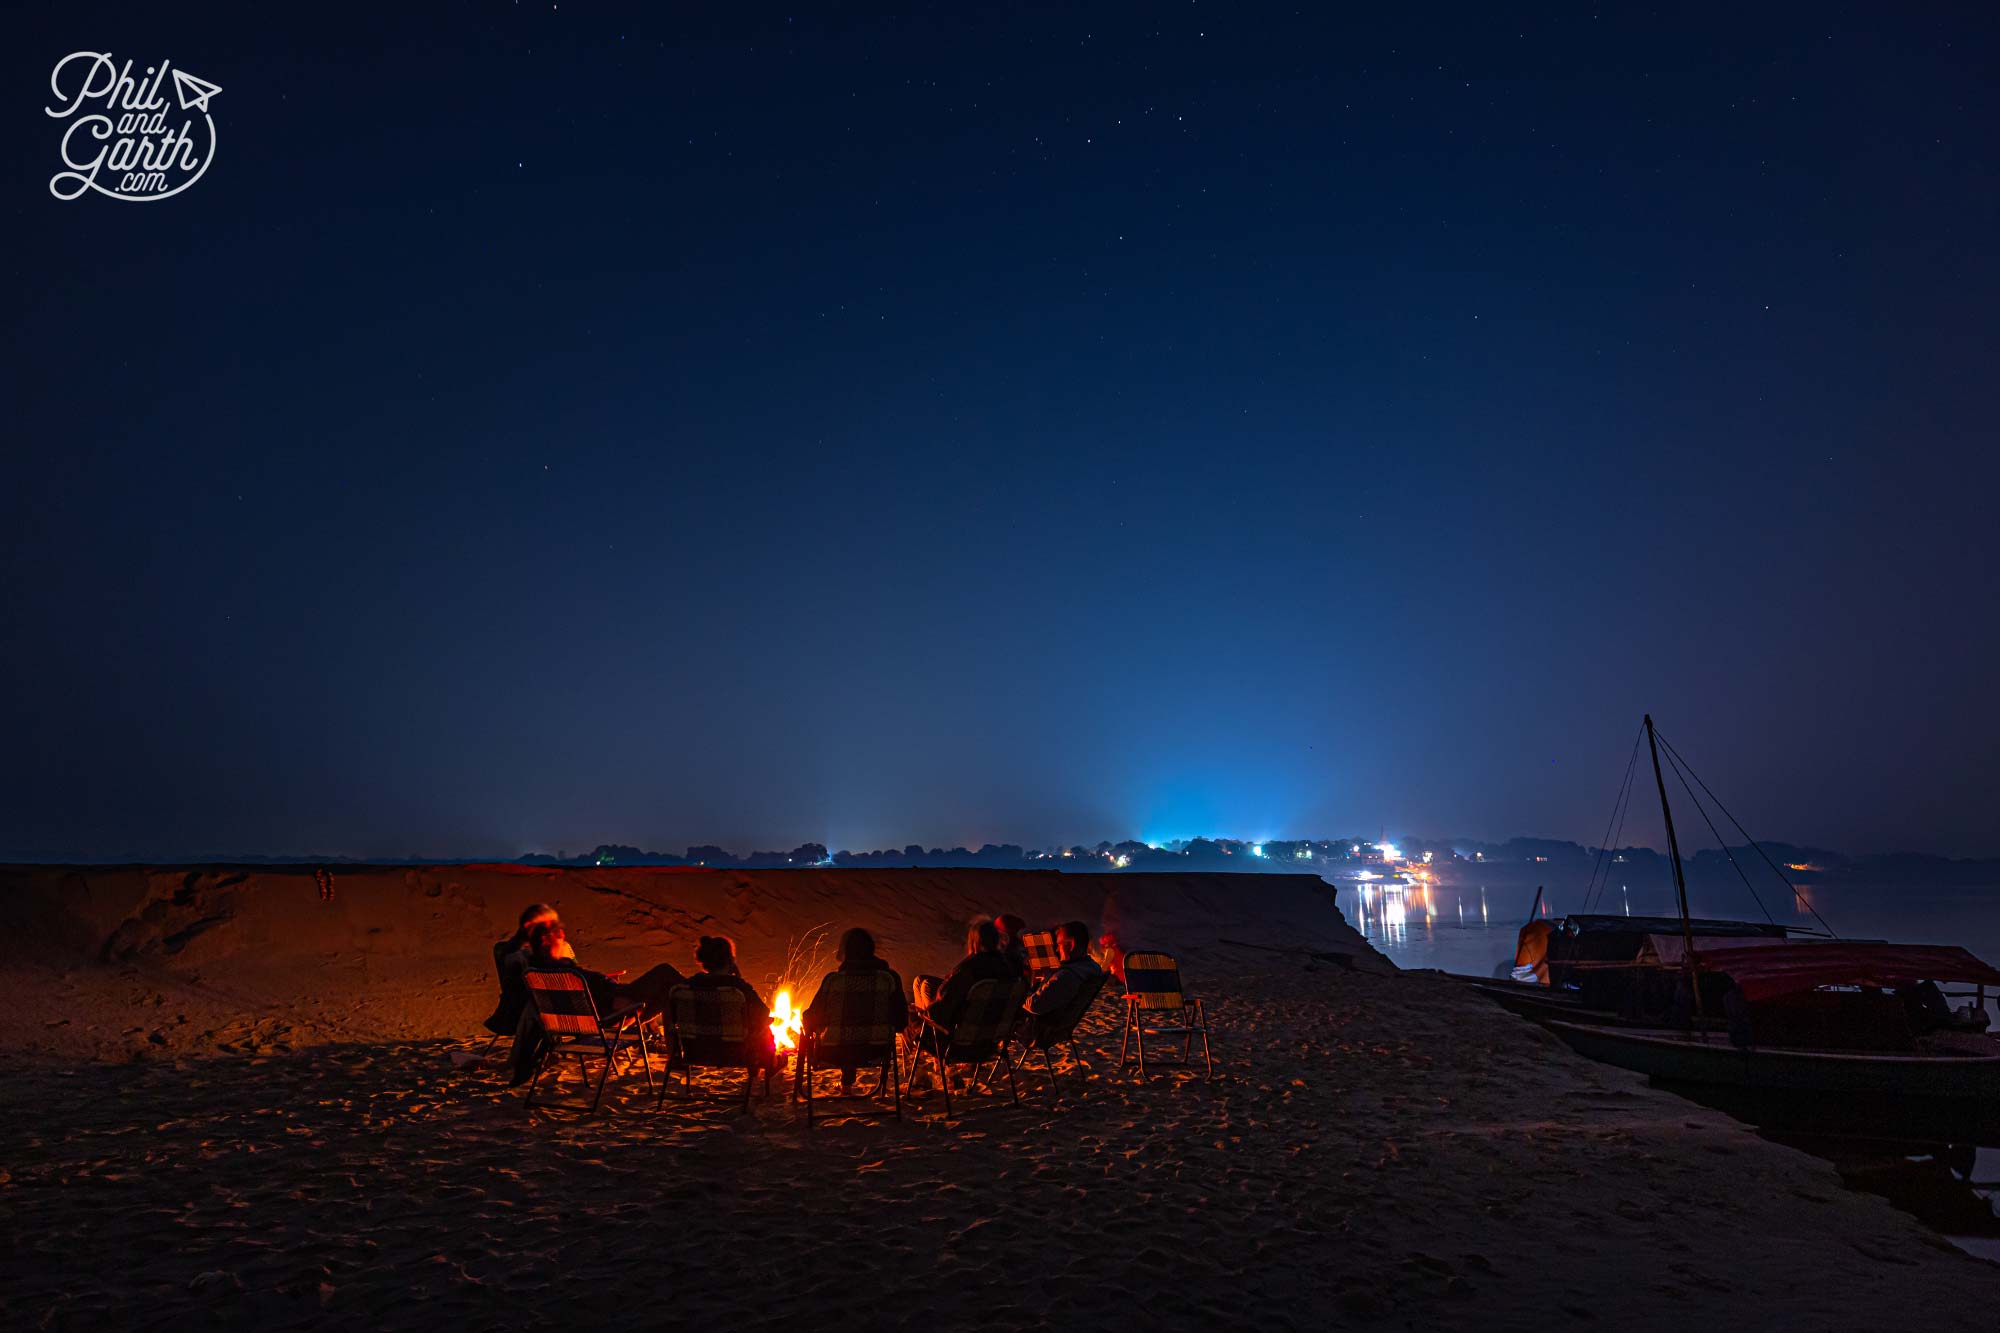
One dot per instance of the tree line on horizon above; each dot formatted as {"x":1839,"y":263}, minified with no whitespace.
{"x":1801,"y":865}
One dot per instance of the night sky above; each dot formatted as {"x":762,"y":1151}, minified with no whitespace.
{"x":547,"y":425}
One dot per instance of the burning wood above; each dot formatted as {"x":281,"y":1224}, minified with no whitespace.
{"x":807,"y":958}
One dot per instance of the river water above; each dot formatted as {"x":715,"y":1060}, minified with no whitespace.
{"x":1469,"y":927}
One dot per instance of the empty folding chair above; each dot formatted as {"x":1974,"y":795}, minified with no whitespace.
{"x":1155,"y":1003}
{"x":1043,"y":957}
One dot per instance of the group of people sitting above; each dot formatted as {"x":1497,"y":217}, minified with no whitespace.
{"x":993,"y":952}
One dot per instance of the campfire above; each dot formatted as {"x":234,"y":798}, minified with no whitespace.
{"x":809,"y":957}
{"x":785,"y":1022}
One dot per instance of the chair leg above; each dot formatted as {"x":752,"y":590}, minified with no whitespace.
{"x":677,"y":1051}
{"x":1012,"y":1090}
{"x":1125,"y":1044}
{"x":604,"y":1078}
{"x":895,"y":1081}
{"x":1188,"y":1014}
{"x":1139,"y":1035}
{"x":541,"y":1066}
{"x":942,"y":1051}
{"x":803,"y":1079}
{"x":1049,"y":1068}
{"x":1201,"y":1012}
{"x":645,"y":1057}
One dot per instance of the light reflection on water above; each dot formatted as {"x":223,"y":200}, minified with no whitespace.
{"x":1470,"y":927}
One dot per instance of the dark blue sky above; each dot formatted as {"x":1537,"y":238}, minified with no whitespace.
{"x":545,"y":426}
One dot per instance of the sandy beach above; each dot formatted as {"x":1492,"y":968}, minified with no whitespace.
{"x":234,"y":1100}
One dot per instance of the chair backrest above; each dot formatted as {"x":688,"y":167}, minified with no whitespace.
{"x":1060,"y":1026}
{"x":562,"y":1000}
{"x":704,"y":1014}
{"x":1043,"y":956}
{"x":858,"y":1010}
{"x":1153,"y":980}
{"x":990,"y":1013}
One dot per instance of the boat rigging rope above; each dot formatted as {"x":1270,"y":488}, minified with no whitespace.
{"x":1719,"y":839}
{"x":1618,"y":809}
{"x":1800,"y":898}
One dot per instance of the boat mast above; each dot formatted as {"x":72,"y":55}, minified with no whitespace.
{"x":1680,"y":879}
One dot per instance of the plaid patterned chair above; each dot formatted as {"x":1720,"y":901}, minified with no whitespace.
{"x":853,"y":1023}
{"x":1045,"y":1034}
{"x":573,"y":1026}
{"x":1155,"y":1002}
{"x":1043,"y":957}
{"x":981,"y":1034}
{"x":716,"y":1029}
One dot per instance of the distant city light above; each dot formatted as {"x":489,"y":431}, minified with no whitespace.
{"x":1257,"y":850}
{"x":1389,"y":852}
{"x":1122,"y":861}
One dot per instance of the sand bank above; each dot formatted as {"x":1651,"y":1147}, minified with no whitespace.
{"x":1377,"y":1149}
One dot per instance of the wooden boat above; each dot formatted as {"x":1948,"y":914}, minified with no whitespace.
{"x":1818,"y":1028}
{"x":1598,"y":968}
{"x":1544,"y":1005}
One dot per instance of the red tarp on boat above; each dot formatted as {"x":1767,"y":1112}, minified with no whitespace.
{"x":1803,"y":965}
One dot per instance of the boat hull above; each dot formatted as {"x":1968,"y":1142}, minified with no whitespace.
{"x":1672,"y":1058}
{"x":1541,"y":1004}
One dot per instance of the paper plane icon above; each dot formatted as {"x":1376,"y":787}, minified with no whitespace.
{"x":193,"y":92}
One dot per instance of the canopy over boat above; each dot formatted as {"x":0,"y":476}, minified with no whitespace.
{"x":1764,"y":973}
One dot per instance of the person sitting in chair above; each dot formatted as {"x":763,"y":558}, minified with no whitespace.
{"x":510,"y":956}
{"x":945,"y":1000}
{"x":1064,"y":984}
{"x":857,"y":954}
{"x":549,"y":950}
{"x":1011,"y":929}
{"x":716,"y":955}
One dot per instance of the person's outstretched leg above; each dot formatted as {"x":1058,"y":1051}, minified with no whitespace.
{"x":651,"y":989}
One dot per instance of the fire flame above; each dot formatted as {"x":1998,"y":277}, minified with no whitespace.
{"x":786,"y":1022}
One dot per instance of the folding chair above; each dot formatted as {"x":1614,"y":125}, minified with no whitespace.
{"x":713,"y":1029}
{"x":1059,"y":1029}
{"x":1154,"y":1002}
{"x":981,"y":1034}
{"x":573,"y":1026}
{"x":1043,"y":956}
{"x":853,"y":1023}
